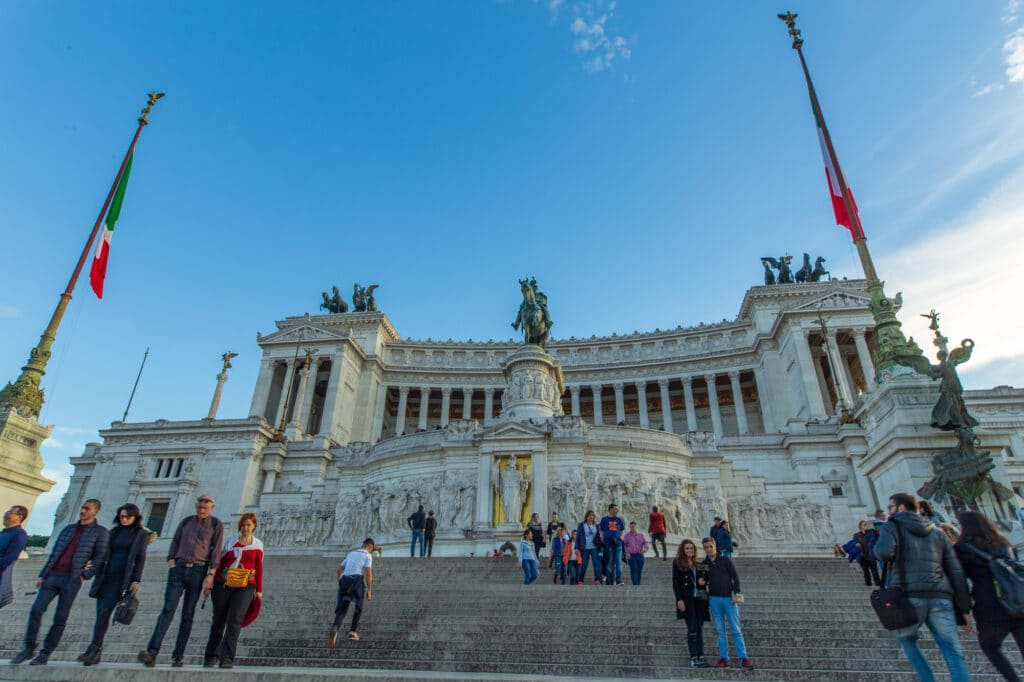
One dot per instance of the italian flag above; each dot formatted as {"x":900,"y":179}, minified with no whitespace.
{"x":838,"y":205}
{"x":99,"y":264}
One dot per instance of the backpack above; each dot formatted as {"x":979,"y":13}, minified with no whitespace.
{"x":1008,"y":578}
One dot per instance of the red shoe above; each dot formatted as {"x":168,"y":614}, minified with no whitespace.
{"x":747,"y":664}
{"x":332,"y":637}
{"x":580,"y":583}
{"x":722,"y":663}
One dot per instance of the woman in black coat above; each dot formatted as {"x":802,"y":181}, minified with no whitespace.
{"x":120,"y":575}
{"x":687,"y":578}
{"x":994,"y":623}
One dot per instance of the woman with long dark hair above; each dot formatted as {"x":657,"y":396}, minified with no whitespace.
{"x":687,"y":579}
{"x":926,"y":510}
{"x":537,"y":529}
{"x":588,"y":542}
{"x":119,"y":576}
{"x":978,"y":533}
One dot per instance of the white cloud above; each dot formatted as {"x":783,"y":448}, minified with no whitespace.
{"x":984,"y":89}
{"x":1013,"y":55}
{"x":1012,"y":8}
{"x":8,"y":311}
{"x":40,"y":522}
{"x":592,"y":39}
{"x":970,"y":272}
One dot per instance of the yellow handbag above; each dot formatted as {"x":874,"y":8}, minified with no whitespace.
{"x":238,"y":577}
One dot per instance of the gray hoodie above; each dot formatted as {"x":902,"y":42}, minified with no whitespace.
{"x":930,"y":567}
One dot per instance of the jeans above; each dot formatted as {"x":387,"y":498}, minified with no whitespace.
{"x":588,"y":555}
{"x":417,"y":534}
{"x":529,"y":571}
{"x":612,"y":560}
{"x":938,"y":615}
{"x":230,"y":605}
{"x":350,"y":591}
{"x":636,"y":567}
{"x":991,"y":636}
{"x":655,"y":538}
{"x":110,"y":594}
{"x":180,"y":581}
{"x":722,"y":610}
{"x":695,"y":631}
{"x":62,"y":587}
{"x":560,"y":570}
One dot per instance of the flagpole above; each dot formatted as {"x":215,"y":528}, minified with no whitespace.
{"x":25,"y":395}
{"x":137,"y":377}
{"x":893,"y":346}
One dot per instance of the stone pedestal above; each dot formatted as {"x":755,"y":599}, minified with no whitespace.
{"x":533,"y":385}
{"x":21,"y":465}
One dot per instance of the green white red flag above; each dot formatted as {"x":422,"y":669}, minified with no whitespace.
{"x":838,"y":205}
{"x":99,"y":263}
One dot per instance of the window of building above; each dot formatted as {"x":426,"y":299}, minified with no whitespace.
{"x":156,"y":516}
{"x":837,"y":491}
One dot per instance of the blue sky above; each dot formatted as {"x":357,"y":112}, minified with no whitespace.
{"x":637,"y":158}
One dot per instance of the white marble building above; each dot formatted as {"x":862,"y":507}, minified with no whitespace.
{"x":737,"y":418}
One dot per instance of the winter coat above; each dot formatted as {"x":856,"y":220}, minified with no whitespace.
{"x":136,"y":561}
{"x":683,"y":585}
{"x":930,"y":567}
{"x":866,"y":541}
{"x":987,"y":608}
{"x":93,"y":546}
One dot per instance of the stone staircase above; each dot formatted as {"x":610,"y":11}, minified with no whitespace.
{"x":804,"y":619}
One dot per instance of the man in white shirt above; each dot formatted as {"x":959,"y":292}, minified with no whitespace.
{"x":355,"y":581}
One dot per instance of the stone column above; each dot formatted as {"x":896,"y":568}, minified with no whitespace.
{"x":620,"y":405}
{"x":812,"y":389}
{"x":300,"y":396}
{"x":691,"y":411}
{"x":332,"y":406}
{"x":666,"y":405}
{"x":641,"y":397}
{"x":737,"y":399}
{"x":424,"y":405}
{"x":716,"y":412}
{"x":446,"y":405}
{"x":378,"y":414}
{"x":403,"y":403}
{"x":215,"y":403}
{"x":307,"y":397}
{"x":286,"y":393}
{"x":764,"y":401}
{"x":261,"y":395}
{"x":484,"y":499}
{"x":467,"y":403}
{"x":598,"y":409}
{"x":842,"y":374}
{"x":539,"y":483}
{"x":488,"y":409}
{"x":864,"y":355}
{"x":574,"y":393}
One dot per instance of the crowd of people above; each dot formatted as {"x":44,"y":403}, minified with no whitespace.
{"x":200,"y":563}
{"x":946,"y":571}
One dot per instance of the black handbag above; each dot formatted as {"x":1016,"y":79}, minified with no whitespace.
{"x":891,"y":604}
{"x":125,"y":610}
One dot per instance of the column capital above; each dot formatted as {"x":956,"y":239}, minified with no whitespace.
{"x":663,"y":383}
{"x":641,"y":386}
{"x":403,"y":390}
{"x":710,"y":378}
{"x":575,"y":389}
{"x":489,"y":391}
{"x":446,"y":391}
{"x":619,"y":386}
{"x":859,"y":331}
{"x":596,"y":388}
{"x":734,"y":374}
{"x":687,"y":380}
{"x":425,"y":389}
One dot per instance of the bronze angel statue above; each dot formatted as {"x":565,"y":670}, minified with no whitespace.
{"x":782,"y":265}
{"x":227,"y":359}
{"x":950,"y":413}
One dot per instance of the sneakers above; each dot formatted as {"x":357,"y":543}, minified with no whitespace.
{"x":332,"y":637}
{"x":722,"y":663}
{"x":694,"y":662}
{"x":41,"y":659}
{"x":701,"y":663}
{"x":23,"y":656}
{"x":353,"y":635}
{"x":597,"y":582}
{"x":747,"y":664}
{"x":177,"y":663}
{"x":147,"y":658}
{"x":580,"y":583}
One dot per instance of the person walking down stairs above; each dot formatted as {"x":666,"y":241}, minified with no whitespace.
{"x":656,"y":527}
{"x":635,"y":545}
{"x":355,"y":582}
{"x":528,"y":557}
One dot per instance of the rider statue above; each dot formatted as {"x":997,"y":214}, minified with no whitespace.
{"x":533,"y":316}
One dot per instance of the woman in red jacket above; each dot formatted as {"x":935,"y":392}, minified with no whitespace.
{"x":237,"y":593}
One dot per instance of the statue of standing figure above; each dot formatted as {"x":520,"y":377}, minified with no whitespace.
{"x":533,"y":315}
{"x":362,"y":298}
{"x":513,"y":484}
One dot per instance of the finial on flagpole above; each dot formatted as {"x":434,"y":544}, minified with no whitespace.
{"x":790,"y":20}
{"x":153,"y":98}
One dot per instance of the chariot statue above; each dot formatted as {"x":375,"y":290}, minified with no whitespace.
{"x":362,"y":298}
{"x":334,"y":304}
{"x":533,"y":317}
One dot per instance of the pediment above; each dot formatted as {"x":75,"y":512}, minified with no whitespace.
{"x":516,"y":431}
{"x":836,"y":300}
{"x":305,"y":332}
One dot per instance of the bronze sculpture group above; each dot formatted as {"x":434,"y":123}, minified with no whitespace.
{"x":362,"y":300}
{"x":533,"y":317}
{"x":806,"y":273}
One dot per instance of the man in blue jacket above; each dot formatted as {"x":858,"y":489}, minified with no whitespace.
{"x":80,"y":551}
{"x":612,"y":527}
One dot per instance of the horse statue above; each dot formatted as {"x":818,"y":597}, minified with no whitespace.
{"x":819,"y":270}
{"x":533,"y":315}
{"x":362,"y":298}
{"x":769,"y":276}
{"x":334,"y":304}
{"x":782,"y":265}
{"x":804,"y":273}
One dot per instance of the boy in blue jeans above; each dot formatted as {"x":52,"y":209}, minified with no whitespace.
{"x":559,"y":547}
